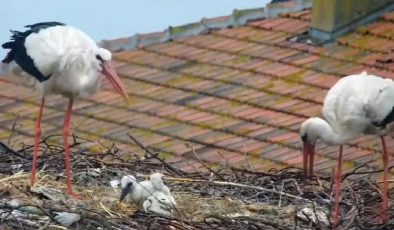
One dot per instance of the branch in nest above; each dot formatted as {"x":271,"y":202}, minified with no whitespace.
{"x":226,"y":183}
{"x":203,"y":163}
{"x":6,"y":149}
{"x":175,"y":170}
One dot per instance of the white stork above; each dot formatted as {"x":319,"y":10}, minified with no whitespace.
{"x":61,"y":60}
{"x":355,"y":105}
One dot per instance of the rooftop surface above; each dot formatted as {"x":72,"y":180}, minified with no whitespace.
{"x":231,"y":96}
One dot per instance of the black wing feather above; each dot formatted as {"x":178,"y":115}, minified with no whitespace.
{"x":18,"y":51}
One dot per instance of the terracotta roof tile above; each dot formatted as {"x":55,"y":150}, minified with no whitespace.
{"x":236,"y":95}
{"x":389,"y":16}
{"x":304,"y":15}
{"x":367,"y":42}
{"x":380,"y":29}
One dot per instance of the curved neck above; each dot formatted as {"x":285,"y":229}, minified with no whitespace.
{"x":321,"y":129}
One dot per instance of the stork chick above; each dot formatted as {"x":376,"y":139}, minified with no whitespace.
{"x":135,"y":192}
{"x":160,"y":203}
{"x":158,"y":184}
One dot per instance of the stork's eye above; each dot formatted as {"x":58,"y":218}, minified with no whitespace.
{"x":98,"y":57}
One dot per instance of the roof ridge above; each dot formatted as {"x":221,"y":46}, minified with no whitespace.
{"x":205,"y":25}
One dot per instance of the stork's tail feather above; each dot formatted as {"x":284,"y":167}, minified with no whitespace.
{"x":7,"y":45}
{"x":10,"y":55}
{"x":17,"y":38}
{"x":45,"y":25}
{"x":11,"y":45}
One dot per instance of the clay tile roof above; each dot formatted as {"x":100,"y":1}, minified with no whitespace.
{"x":231,"y":90}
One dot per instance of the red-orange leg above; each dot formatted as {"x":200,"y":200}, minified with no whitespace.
{"x":36,"y":143}
{"x":385,"y":177}
{"x":66,"y":134}
{"x":338,"y":176}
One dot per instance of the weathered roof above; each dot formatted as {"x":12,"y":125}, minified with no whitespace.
{"x":232,"y":96}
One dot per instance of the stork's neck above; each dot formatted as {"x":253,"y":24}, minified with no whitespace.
{"x":317,"y":128}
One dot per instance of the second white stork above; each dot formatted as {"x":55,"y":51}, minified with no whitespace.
{"x":61,"y":60}
{"x":355,"y":105}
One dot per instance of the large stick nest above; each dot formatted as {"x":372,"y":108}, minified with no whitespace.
{"x":229,"y":198}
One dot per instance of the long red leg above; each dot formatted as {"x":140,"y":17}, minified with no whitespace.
{"x":36,"y":143}
{"x":385,"y":177}
{"x":311,"y":162}
{"x":337,"y":179}
{"x":66,"y":133}
{"x":305,"y":162}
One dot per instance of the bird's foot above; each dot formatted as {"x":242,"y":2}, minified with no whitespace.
{"x":73,"y":195}
{"x":383,"y":216}
{"x":380,"y":219}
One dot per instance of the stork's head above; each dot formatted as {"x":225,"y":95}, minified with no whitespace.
{"x":310,"y":133}
{"x":127,"y":184}
{"x":103,"y":62}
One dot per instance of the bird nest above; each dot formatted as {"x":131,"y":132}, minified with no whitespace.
{"x":230,"y":198}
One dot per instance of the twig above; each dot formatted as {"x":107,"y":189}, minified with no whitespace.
{"x":17,"y":175}
{"x":280,"y":196}
{"x":246,"y":159}
{"x":57,"y":227}
{"x":9,"y":150}
{"x":296,"y":185}
{"x":106,"y":210}
{"x":354,"y":171}
{"x":202,"y":162}
{"x":317,"y":216}
{"x":175,"y":170}
{"x":13,"y":131}
{"x":226,"y":183}
{"x":389,"y":181}
{"x":253,"y":172}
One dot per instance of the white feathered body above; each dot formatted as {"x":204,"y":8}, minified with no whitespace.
{"x":161,"y":187}
{"x":140,"y":192}
{"x":67,"y":55}
{"x":160,"y":203}
{"x":158,"y":184}
{"x":355,"y":102}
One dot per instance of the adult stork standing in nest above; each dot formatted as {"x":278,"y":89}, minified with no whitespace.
{"x":61,"y":60}
{"x":355,"y":105}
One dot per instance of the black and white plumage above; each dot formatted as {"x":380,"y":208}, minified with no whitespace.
{"x":355,"y":105}
{"x":18,"y":49}
{"x":60,"y":59}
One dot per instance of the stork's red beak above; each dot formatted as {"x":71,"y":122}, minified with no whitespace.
{"x":309,"y":155}
{"x":109,"y":71}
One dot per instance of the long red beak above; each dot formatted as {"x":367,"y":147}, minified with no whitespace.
{"x":109,"y":71}
{"x":309,"y":154}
